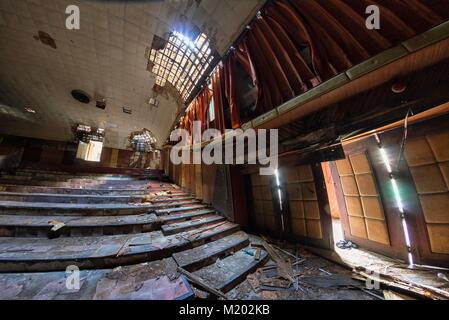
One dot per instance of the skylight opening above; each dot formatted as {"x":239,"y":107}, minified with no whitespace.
{"x":182,"y":62}
{"x":30,"y":110}
{"x":143,"y":141}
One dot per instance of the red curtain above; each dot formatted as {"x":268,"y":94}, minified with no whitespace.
{"x":294,"y":45}
{"x":273,"y":51}
{"x":230,"y":89}
{"x":218,"y":94}
{"x":198,"y":110}
{"x":203,"y":101}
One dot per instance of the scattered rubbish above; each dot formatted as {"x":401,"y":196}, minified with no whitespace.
{"x":193,"y":236}
{"x":200,"y":282}
{"x":57,"y":225}
{"x":326,"y":272}
{"x":442,"y":276}
{"x":173,"y":276}
{"x":414,"y":288}
{"x":149,"y":198}
{"x":257,"y":255}
{"x":219,"y":263}
{"x":250,"y":252}
{"x":346,"y":245}
{"x":123,"y":248}
{"x":285,"y":269}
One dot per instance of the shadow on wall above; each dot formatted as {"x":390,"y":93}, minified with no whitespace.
{"x":217,"y":189}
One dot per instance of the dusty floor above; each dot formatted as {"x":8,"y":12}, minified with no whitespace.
{"x":427,"y":277}
{"x":317,"y":279}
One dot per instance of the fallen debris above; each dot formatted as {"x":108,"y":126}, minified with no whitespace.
{"x":123,"y":248}
{"x":193,"y":236}
{"x":285,"y":269}
{"x":346,"y":245}
{"x":57,"y":225}
{"x":442,"y":276}
{"x":149,"y":198}
{"x":414,"y":288}
{"x":198,"y":281}
{"x":257,"y":255}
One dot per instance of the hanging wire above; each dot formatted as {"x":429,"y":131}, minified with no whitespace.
{"x":404,"y":138}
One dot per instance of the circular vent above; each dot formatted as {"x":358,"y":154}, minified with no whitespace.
{"x":81,"y":96}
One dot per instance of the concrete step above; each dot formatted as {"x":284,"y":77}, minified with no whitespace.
{"x":187,"y":215}
{"x":44,"y":208}
{"x":157,"y":280}
{"x":90,"y":199}
{"x":38,"y":254}
{"x":93,"y":184}
{"x":206,"y":254}
{"x":165,"y":212}
{"x":83,"y":191}
{"x":62,"y":198}
{"x":76,"y":226}
{"x":225,"y":274}
{"x":174,"y":228}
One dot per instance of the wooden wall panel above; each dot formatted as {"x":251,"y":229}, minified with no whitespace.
{"x":428,"y":160}
{"x":303,"y":202}
{"x":264,"y":212}
{"x":363,"y":202}
{"x":198,"y":181}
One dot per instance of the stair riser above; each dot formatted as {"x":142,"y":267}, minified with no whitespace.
{"x":94,"y":231}
{"x":92,"y":185}
{"x":109,"y":262}
{"x":78,"y":200}
{"x":83,"y":212}
{"x":192,"y":267}
{"x":187,"y":228}
{"x":72,"y":191}
{"x":131,"y":210}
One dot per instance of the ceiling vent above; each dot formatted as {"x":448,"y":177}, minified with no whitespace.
{"x":127,"y":110}
{"x":100,"y":101}
{"x":81,"y":96}
{"x":153,"y":103}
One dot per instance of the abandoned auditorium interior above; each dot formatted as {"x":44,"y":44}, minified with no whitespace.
{"x":205,"y":151}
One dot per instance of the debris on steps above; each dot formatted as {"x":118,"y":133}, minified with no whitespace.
{"x":202,"y":284}
{"x":192,"y":260}
{"x":227,"y":273}
{"x":174,"y":228}
{"x":157,"y":280}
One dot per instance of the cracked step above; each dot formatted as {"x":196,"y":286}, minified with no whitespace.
{"x":40,"y":226}
{"x":179,"y":227}
{"x":227,"y":273}
{"x":206,"y":254}
{"x":38,"y":254}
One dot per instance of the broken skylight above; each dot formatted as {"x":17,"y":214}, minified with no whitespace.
{"x":182,"y":62}
{"x":143,"y":141}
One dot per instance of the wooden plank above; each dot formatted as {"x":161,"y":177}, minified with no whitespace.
{"x":70,"y":191}
{"x":174,"y":228}
{"x":178,"y":210}
{"x":194,"y":258}
{"x":186,"y":216}
{"x":198,"y":281}
{"x":36,"y":226}
{"x":38,"y":254}
{"x":232,"y":270}
{"x":157,"y":280}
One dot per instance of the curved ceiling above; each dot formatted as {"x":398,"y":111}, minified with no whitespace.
{"x":41,"y":62}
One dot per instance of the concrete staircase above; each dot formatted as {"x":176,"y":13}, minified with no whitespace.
{"x":127,"y":235}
